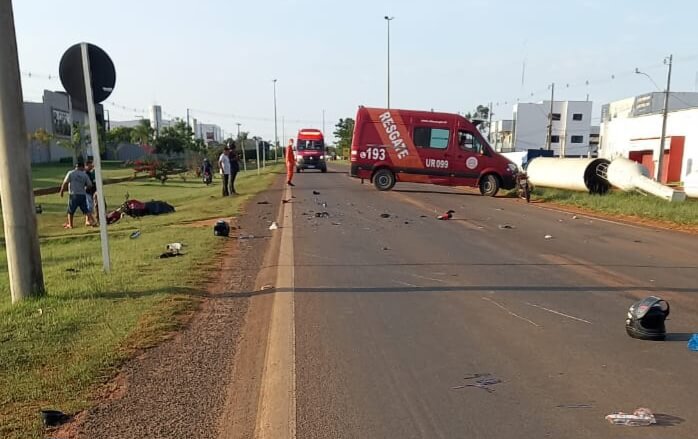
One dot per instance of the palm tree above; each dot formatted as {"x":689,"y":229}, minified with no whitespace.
{"x":142,"y":133}
{"x":44,"y":138}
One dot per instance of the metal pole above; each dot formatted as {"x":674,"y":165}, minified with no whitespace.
{"x":256,"y":148}
{"x":550,"y":117}
{"x":18,"y":210}
{"x":660,"y":160}
{"x":244,"y":160}
{"x":489,"y":126}
{"x":94,"y":140}
{"x":276,"y":132}
{"x":389,"y":19}
{"x":188,"y":117}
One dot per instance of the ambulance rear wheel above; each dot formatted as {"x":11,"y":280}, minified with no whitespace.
{"x":384,"y":179}
{"x":489,"y":185}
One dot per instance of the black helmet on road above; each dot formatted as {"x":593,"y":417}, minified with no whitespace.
{"x":646,"y":319}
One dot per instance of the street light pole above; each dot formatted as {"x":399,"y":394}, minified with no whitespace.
{"x":18,"y":210}
{"x":660,"y":160}
{"x":276,"y":130}
{"x":241,"y":142}
{"x":388,"y":20}
{"x":550,"y":116}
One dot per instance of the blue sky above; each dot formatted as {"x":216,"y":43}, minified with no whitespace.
{"x":219,"y":57}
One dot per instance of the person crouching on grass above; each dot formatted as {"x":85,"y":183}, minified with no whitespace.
{"x":91,"y":218}
{"x":76,"y":182}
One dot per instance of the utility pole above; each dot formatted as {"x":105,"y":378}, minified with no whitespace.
{"x":660,"y":160}
{"x":18,"y":210}
{"x":489,"y":125}
{"x":242,"y":143}
{"x":276,"y":131}
{"x":188,"y":117}
{"x":388,"y":20}
{"x":550,"y":117}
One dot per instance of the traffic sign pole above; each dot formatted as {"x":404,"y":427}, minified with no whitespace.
{"x":94,"y":138}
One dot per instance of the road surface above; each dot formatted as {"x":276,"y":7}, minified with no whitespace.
{"x":396,"y":317}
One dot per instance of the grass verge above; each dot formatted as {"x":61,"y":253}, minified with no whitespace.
{"x":52,"y":174}
{"x":56,"y":350}
{"x":625,"y":204}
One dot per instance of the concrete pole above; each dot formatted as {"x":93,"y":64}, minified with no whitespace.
{"x":660,"y":160}
{"x":550,"y":117}
{"x":388,"y":20}
{"x":94,"y":140}
{"x":18,"y":210}
{"x":276,"y":131}
{"x":244,"y":160}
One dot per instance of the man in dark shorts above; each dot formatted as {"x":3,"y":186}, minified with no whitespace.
{"x":91,"y":218}
{"x":76,"y":182}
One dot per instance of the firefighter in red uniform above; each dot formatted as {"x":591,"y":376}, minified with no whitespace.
{"x":290,"y":163}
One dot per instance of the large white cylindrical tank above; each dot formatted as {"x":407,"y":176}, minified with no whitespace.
{"x":622,"y":173}
{"x":578,"y":174}
{"x":690,"y":185}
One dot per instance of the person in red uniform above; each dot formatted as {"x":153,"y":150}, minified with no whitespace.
{"x":290,"y":163}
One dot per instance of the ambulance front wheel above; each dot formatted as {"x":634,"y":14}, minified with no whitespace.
{"x":384,"y":179}
{"x":489,"y":185}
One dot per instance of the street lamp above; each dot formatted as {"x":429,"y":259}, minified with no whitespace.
{"x":388,"y":20}
{"x":244,"y":159}
{"x":660,"y":160}
{"x":276,"y":131}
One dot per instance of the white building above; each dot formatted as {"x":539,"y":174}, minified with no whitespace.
{"x":208,"y":132}
{"x":632,"y":128}
{"x":501,"y":135}
{"x":571,"y":126}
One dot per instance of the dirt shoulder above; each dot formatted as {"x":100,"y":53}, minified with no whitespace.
{"x":179,"y":388}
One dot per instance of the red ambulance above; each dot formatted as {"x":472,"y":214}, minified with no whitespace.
{"x":392,"y":146}
{"x":310,"y":150}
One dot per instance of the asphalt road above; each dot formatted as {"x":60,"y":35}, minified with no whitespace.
{"x":393,"y":316}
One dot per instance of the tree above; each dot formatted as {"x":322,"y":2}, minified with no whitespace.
{"x":481,"y":112}
{"x":142,"y":133}
{"x":120,"y":135}
{"x":76,"y":142}
{"x":176,"y":138}
{"x":344,"y":132}
{"x":44,"y":138}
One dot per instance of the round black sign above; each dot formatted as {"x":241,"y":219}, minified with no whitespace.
{"x":101,"y":69}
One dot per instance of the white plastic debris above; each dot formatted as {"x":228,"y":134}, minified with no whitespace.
{"x":548,"y":237}
{"x":641,"y":417}
{"x":273,"y":226}
{"x":174,"y":248}
{"x":574,"y":217}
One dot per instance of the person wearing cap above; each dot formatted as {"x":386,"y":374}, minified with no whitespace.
{"x":224,"y":167}
{"x":76,"y":182}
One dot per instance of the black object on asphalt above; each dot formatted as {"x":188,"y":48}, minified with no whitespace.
{"x":446,"y":216}
{"x":316,"y":193}
{"x":221,"y":228}
{"x":646,"y":319}
{"x":385,"y":215}
{"x":53,"y":418}
{"x":262,"y":202}
{"x":322,"y":214}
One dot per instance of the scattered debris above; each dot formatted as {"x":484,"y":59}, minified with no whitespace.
{"x":646,"y":318}
{"x":170,"y":255}
{"x":286,"y":201}
{"x":336,"y":224}
{"x":483,"y":381}
{"x":246,"y":237}
{"x":641,"y":417}
{"x":498,"y":208}
{"x":385,"y":215}
{"x":548,"y":236}
{"x":316,"y":193}
{"x":423,"y":216}
{"x":322,"y":215}
{"x":174,"y":247}
{"x":273,"y":226}
{"x":53,"y":418}
{"x":386,"y":248}
{"x":693,"y":343}
{"x":221,"y":228}
{"x":446,"y":216}
{"x":324,"y":204}
{"x":505,"y":226}
{"x":40,"y":311}
{"x":267,"y":287}
{"x":637,"y":241}
{"x":574,"y":216}
{"x":407,"y":222}
{"x":135,"y":234}
{"x":575,"y":406}
{"x":72,"y":270}
{"x":263,"y":202}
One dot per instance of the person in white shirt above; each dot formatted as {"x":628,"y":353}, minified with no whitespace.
{"x":224,"y":167}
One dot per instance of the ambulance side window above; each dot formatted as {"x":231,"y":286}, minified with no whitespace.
{"x":468,"y":142}
{"x":425,"y":137}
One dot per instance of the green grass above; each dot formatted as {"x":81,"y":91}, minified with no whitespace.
{"x":52,"y":174}
{"x":55,"y":351}
{"x":625,"y":203}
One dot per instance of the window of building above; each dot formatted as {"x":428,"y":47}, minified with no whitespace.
{"x":431,"y":137}
{"x":577,"y":116}
{"x":468,"y":142}
{"x":554,"y":139}
{"x":556,"y":116}
{"x":577,"y":139}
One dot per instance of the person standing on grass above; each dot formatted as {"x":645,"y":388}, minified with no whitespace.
{"x":91,"y":220}
{"x":290,"y":163}
{"x":234,"y":167}
{"x":224,"y":167}
{"x":76,"y":182}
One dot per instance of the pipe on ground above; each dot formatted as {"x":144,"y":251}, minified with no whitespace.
{"x":628,"y":175}
{"x":582,"y":174}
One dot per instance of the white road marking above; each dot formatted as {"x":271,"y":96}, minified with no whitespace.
{"x":511,"y":313}
{"x":276,"y":417}
{"x":558,"y":313}
{"x":429,"y":278}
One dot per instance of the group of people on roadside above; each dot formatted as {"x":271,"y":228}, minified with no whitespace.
{"x":82,"y":193}
{"x":229,"y":166}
